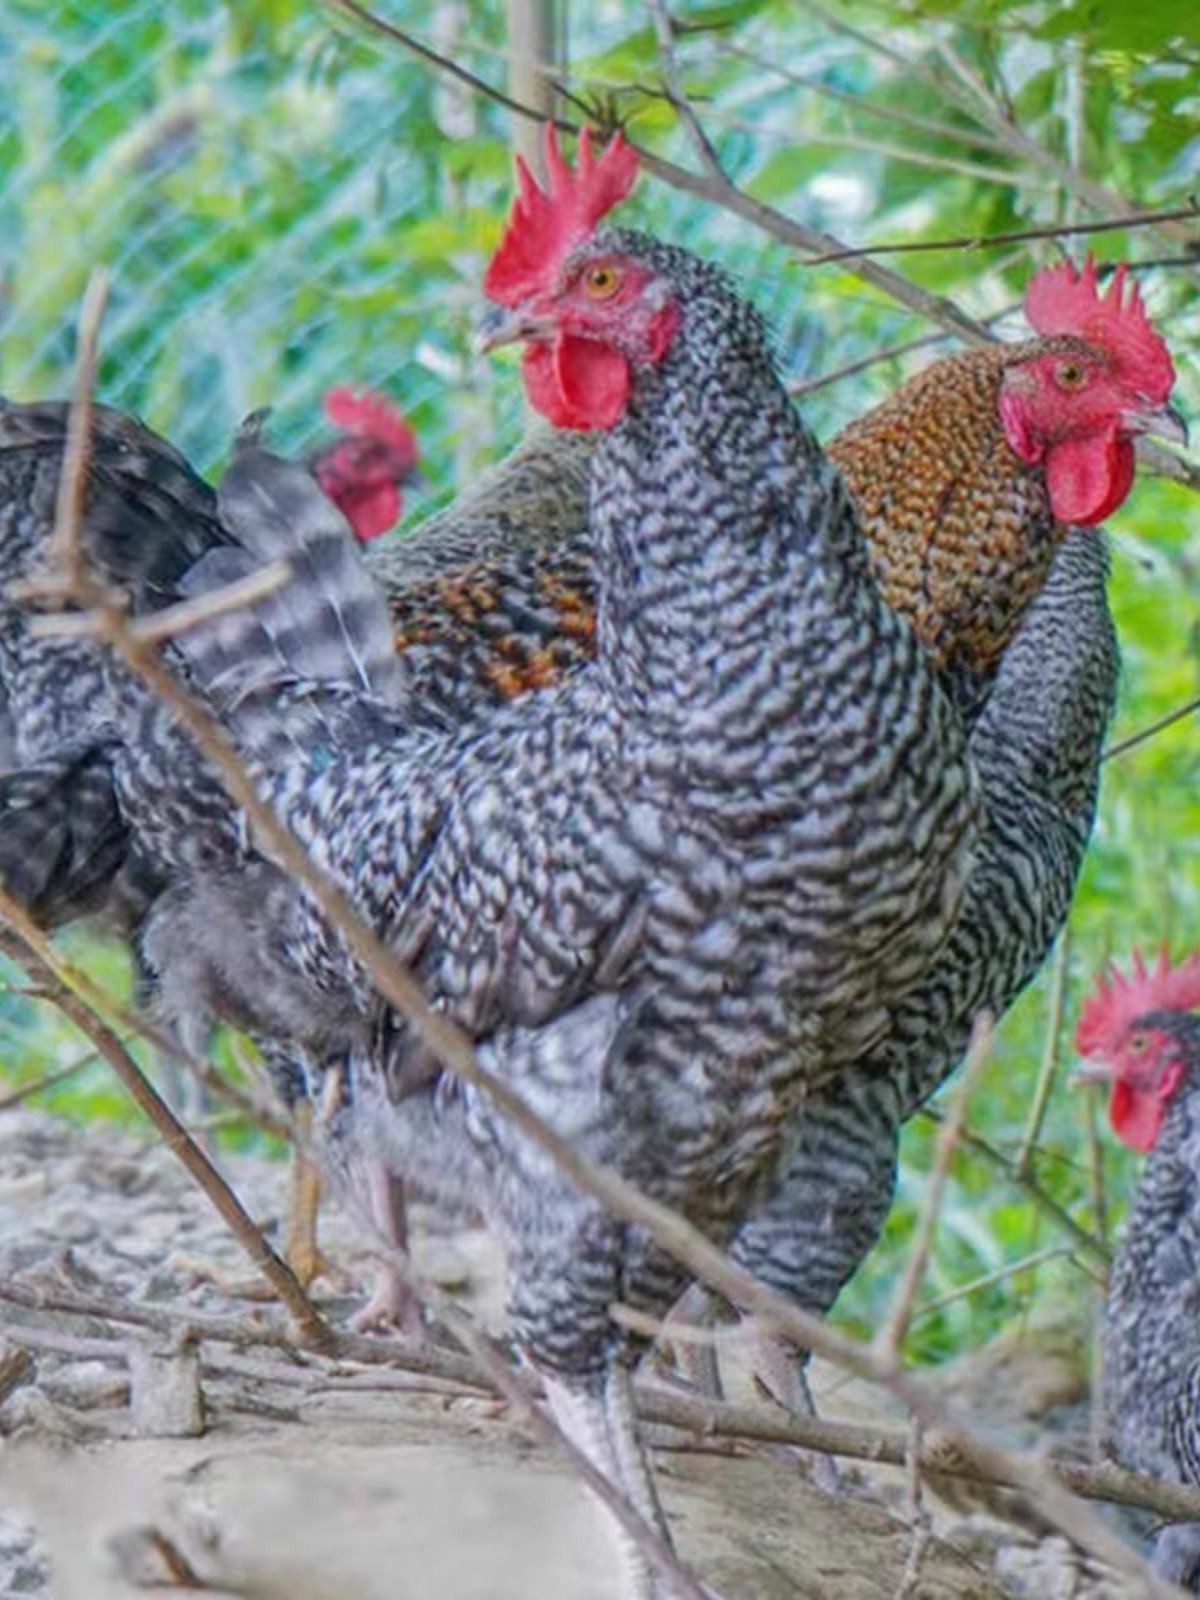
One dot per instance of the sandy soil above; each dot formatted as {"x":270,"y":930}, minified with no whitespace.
{"x":303,"y":1480}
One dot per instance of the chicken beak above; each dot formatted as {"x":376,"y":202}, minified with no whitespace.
{"x":1085,"y":1071}
{"x":500,"y":326}
{"x":1162,"y":422}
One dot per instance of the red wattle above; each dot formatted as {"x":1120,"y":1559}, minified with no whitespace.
{"x":576,"y":383}
{"x":369,"y":512}
{"x":1087,"y":479}
{"x":1135,"y":1115}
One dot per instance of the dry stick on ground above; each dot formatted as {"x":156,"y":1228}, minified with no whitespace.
{"x":241,"y":1332}
{"x":895,"y":1324}
{"x":1049,"y":1062}
{"x":30,"y":948}
{"x":747,"y":1424}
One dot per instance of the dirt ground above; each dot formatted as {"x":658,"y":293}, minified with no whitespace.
{"x":310,"y":1480}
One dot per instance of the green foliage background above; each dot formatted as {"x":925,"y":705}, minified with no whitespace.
{"x":285,"y":201}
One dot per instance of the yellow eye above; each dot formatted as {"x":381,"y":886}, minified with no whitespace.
{"x":601,"y":282}
{"x":1138,"y":1042}
{"x":1069,"y":375}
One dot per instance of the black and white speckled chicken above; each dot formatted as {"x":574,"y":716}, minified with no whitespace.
{"x":1140,"y":1033}
{"x":148,"y":840}
{"x":65,"y":845}
{"x":667,"y":895}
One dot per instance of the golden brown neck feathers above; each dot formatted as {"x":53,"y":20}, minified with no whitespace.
{"x":960,"y":528}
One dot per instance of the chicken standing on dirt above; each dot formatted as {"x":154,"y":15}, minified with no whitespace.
{"x":1140,"y":1034}
{"x":668,"y":894}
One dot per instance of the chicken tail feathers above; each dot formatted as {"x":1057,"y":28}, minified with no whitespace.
{"x":309,"y":659}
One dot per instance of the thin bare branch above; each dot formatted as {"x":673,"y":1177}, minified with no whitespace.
{"x":1049,"y":1063}
{"x":986,"y":1280}
{"x":890,"y":1337}
{"x":64,"y":550}
{"x":1131,"y":741}
{"x":77,"y":997}
{"x":701,"y":143}
{"x":48,"y":1080}
{"x":719,"y":189}
{"x":990,"y":241}
{"x":1093,"y":1249}
{"x":1095,"y":1166}
{"x":859,"y":104}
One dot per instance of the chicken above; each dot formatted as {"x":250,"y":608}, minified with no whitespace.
{"x":363,"y":468}
{"x":1008,"y":444}
{"x":1140,"y":1034}
{"x":147,"y":517}
{"x":74,"y":839}
{"x":668,"y":894}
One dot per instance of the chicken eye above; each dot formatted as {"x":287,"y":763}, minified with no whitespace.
{"x":601,"y":282}
{"x":1138,"y":1042}
{"x":1070,"y":374}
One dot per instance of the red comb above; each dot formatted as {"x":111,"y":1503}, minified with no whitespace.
{"x":1062,"y":300}
{"x":543,"y":225}
{"x":1117,"y":1002}
{"x":366,"y":411}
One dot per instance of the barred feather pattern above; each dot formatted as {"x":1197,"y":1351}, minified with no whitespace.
{"x":1151,"y":1330}
{"x":1037,"y":748}
{"x":136,"y":485}
{"x":671,"y":893}
{"x":147,"y":517}
{"x":114,"y":810}
{"x":64,"y":840}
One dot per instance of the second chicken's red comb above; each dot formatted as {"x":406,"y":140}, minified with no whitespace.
{"x":1065,"y":300}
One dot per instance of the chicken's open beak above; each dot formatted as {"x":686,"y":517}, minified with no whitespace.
{"x":500,"y":326}
{"x":1162,"y":422}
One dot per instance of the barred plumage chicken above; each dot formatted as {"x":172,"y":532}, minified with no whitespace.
{"x":667,"y":895}
{"x":1140,"y":1034}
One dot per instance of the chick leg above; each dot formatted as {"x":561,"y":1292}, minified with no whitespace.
{"x":392,"y":1303}
{"x":300,"y":1248}
{"x":598,"y":1419}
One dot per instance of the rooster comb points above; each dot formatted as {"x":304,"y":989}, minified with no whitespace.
{"x":543,"y":225}
{"x":1064,"y":299}
{"x":367,"y":411}
{"x":1116,"y":1001}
